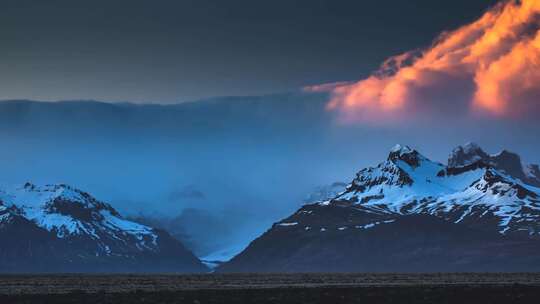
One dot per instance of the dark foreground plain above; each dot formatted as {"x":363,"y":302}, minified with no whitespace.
{"x":273,"y":288}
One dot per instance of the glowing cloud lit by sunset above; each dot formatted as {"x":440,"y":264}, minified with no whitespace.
{"x":490,"y":66}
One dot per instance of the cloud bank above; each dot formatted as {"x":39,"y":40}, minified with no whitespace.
{"x":490,"y":67}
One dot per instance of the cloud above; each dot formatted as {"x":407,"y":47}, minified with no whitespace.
{"x":186,"y":193}
{"x":326,"y":87}
{"x":488,"y":67}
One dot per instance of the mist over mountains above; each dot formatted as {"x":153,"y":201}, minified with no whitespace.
{"x":247,"y":161}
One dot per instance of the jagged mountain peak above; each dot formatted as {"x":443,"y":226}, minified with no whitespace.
{"x":472,"y":156}
{"x":509,"y":162}
{"x":398,"y":148}
{"x":466,"y":155}
{"x":500,"y":185}
{"x":410,"y":183}
{"x":405,"y":153}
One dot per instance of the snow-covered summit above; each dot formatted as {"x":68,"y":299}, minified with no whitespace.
{"x":70,"y":213}
{"x":405,"y":154}
{"x":34,"y":196}
{"x":400,"y":149}
{"x":407,"y":182}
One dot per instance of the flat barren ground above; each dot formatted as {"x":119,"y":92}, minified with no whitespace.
{"x":273,"y":288}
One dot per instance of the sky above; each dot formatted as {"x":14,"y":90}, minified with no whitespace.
{"x":173,"y":51}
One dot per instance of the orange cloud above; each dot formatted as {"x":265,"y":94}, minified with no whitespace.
{"x":491,"y":65}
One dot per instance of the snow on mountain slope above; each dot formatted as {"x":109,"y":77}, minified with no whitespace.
{"x":70,"y":213}
{"x":57,"y":228}
{"x":471,"y":190}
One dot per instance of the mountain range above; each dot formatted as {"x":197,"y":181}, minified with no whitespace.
{"x":480,"y":212}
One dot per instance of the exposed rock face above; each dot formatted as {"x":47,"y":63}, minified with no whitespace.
{"x":409,"y":213}
{"x":465,"y":155}
{"x":505,"y":161}
{"x":533,"y":172}
{"x":57,"y":228}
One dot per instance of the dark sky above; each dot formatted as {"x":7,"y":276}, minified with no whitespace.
{"x":172,"y":51}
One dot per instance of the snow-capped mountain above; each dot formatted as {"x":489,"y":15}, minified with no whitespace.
{"x":480,"y":212}
{"x":60,"y":228}
{"x":474,"y":190}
